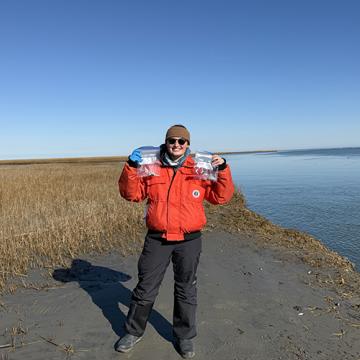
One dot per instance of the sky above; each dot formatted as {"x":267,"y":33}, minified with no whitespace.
{"x":95,"y":78}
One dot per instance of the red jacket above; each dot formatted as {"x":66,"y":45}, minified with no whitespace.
{"x":175,"y":199}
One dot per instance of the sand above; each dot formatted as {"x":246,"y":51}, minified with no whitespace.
{"x":253,"y":303}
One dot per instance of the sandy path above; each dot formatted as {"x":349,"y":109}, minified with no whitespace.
{"x":250,"y":301}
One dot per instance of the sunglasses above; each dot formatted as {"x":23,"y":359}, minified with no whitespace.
{"x":180,"y":141}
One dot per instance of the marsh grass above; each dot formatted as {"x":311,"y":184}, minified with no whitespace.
{"x":51,"y":213}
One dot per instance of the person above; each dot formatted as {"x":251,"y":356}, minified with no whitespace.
{"x":174,"y":218}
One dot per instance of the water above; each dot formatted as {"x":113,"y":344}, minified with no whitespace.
{"x":316,"y":191}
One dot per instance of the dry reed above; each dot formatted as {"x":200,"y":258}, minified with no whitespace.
{"x":50,"y":213}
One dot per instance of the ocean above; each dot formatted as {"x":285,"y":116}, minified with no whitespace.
{"x":316,"y":191}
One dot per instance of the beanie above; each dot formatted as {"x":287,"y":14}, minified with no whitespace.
{"x":178,"y":131}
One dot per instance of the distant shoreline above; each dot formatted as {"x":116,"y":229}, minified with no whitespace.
{"x":111,"y":159}
{"x":104,"y":159}
{"x":245,"y":152}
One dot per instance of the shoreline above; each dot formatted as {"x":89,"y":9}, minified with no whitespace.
{"x":253,"y":300}
{"x":66,"y":195}
{"x":123,"y":230}
{"x":258,"y":276}
{"x":237,"y":219}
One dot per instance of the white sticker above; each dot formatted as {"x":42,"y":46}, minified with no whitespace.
{"x":196,"y":193}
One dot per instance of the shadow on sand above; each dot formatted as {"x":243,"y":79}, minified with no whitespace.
{"x":106,"y":290}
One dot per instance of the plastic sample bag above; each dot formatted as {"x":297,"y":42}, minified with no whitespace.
{"x":150,"y":163}
{"x":203,"y":167}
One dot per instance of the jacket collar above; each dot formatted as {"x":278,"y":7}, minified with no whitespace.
{"x":188,"y":166}
{"x":188,"y":162}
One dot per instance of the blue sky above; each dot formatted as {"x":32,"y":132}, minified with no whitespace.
{"x":85,"y":77}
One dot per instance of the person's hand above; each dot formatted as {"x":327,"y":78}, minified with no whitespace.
{"x":217,"y":160}
{"x":135,"y":156}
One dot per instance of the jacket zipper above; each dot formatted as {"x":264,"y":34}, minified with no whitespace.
{"x":168,"y":194}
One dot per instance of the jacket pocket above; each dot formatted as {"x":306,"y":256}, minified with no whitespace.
{"x":156,"y":189}
{"x":192,"y":213}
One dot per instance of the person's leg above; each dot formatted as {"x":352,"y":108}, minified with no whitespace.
{"x":152,"y":265}
{"x":185,"y":259}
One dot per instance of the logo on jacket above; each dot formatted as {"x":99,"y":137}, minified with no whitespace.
{"x":196,"y":193}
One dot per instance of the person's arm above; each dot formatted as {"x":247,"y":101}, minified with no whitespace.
{"x":222,"y":190}
{"x":131,"y":186}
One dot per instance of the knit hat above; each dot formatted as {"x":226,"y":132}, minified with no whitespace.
{"x":178,"y":131}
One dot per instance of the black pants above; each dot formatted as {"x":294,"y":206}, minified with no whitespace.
{"x":153,"y":262}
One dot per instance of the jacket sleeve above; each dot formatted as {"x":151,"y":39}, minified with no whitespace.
{"x":131,"y":186}
{"x":221,"y":191}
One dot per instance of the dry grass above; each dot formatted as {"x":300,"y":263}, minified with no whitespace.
{"x":82,"y":161}
{"x":52,"y":213}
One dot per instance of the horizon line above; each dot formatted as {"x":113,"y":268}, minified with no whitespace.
{"x":96,"y":158}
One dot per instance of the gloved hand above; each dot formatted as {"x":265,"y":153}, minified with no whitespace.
{"x":136,"y":156}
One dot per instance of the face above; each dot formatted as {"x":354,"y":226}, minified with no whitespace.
{"x":174,"y":148}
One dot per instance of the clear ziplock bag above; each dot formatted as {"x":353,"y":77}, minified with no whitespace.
{"x":150,"y":161}
{"x":203,"y":167}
